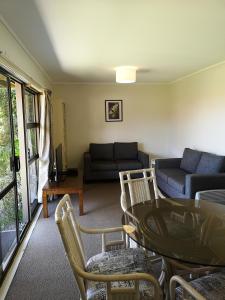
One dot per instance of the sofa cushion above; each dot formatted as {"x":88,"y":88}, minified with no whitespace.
{"x":125,"y":151}
{"x":190,"y":160}
{"x":101,"y":151}
{"x":162,"y":173}
{"x":210,"y":163}
{"x":103,"y":165}
{"x":124,"y":165}
{"x":176,"y":179}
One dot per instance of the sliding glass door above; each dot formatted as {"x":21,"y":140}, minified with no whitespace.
{"x":9,"y":165}
{"x":14,"y":214}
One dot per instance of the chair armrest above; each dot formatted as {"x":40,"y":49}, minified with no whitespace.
{"x":164,"y":163}
{"x":100,"y":230}
{"x":185,"y":285}
{"x":202,"y":182}
{"x":103,"y":232}
{"x":121,"y":277}
{"x":144,"y":159}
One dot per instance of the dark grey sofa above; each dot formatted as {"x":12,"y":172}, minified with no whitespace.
{"x":104,"y":161}
{"x":195,"y":171}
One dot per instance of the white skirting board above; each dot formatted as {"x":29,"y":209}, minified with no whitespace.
{"x":12,"y":270}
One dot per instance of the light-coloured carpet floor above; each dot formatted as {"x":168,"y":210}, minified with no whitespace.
{"x":44,"y":272}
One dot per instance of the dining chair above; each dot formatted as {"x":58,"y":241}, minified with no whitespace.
{"x":113,"y":275}
{"x":209,"y":287}
{"x":215,"y":196}
{"x":138,"y":183}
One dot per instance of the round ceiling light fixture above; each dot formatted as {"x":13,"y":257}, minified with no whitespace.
{"x":126,"y":74}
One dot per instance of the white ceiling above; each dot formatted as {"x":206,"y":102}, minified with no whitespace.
{"x":84,"y":40}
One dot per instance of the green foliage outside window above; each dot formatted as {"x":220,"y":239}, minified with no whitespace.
{"x":7,"y":204}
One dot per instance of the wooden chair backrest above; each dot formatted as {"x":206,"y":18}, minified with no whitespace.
{"x":138,"y":185}
{"x":70,"y":234}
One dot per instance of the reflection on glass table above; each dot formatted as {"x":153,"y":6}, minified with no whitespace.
{"x":189,"y":231}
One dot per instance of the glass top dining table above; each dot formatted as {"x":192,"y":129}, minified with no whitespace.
{"x":191,"y":231}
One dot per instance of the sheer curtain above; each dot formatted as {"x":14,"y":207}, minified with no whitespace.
{"x":45,"y":141}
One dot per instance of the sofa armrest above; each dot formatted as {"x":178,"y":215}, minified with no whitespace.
{"x":87,"y":156}
{"x":201,"y":182}
{"x":164,"y":163}
{"x":144,"y":159}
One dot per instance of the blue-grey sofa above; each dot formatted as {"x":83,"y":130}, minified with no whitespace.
{"x":105,"y":161}
{"x":195,"y":171}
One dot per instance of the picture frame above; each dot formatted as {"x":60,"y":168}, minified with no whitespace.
{"x":113,"y":110}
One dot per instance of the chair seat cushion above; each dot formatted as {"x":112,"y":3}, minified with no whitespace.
{"x":104,"y":165}
{"x":124,"y":165}
{"x":121,"y":261}
{"x":212,"y":287}
{"x":217,"y":196}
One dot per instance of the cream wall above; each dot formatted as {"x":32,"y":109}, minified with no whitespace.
{"x":164,"y":119}
{"x":16,"y":54}
{"x":146,"y":113}
{"x":198,"y":112}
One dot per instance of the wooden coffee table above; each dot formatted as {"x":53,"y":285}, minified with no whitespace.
{"x":70,"y":185}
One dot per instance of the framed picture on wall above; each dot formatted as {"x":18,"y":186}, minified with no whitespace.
{"x":113,"y":110}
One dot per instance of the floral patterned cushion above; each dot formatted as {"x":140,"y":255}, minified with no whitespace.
{"x":121,"y":261}
{"x":212,"y":287}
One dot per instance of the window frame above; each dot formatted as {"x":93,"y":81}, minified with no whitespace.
{"x":28,"y":126}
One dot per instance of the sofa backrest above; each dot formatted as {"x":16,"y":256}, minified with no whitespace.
{"x":190,"y":160}
{"x":194,"y":161}
{"x":102,"y":151}
{"x":114,"y":151}
{"x":126,"y":151}
{"x":210,"y":164}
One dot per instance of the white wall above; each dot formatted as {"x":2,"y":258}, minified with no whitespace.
{"x":16,"y":54}
{"x":198,"y":112}
{"x":146,"y":114}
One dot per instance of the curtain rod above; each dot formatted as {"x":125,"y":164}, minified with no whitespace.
{"x":15,"y":70}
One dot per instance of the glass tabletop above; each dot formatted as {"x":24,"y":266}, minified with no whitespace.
{"x":192,"y":231}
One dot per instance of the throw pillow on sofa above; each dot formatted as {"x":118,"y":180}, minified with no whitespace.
{"x":101,"y":151}
{"x":190,"y":160}
{"x":210,"y":164}
{"x":123,"y":151}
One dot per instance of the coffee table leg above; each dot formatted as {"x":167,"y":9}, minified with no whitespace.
{"x":45,"y":204}
{"x":81,"y":203}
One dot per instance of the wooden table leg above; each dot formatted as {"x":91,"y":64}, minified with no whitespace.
{"x":81,"y":203}
{"x":45,"y":204}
